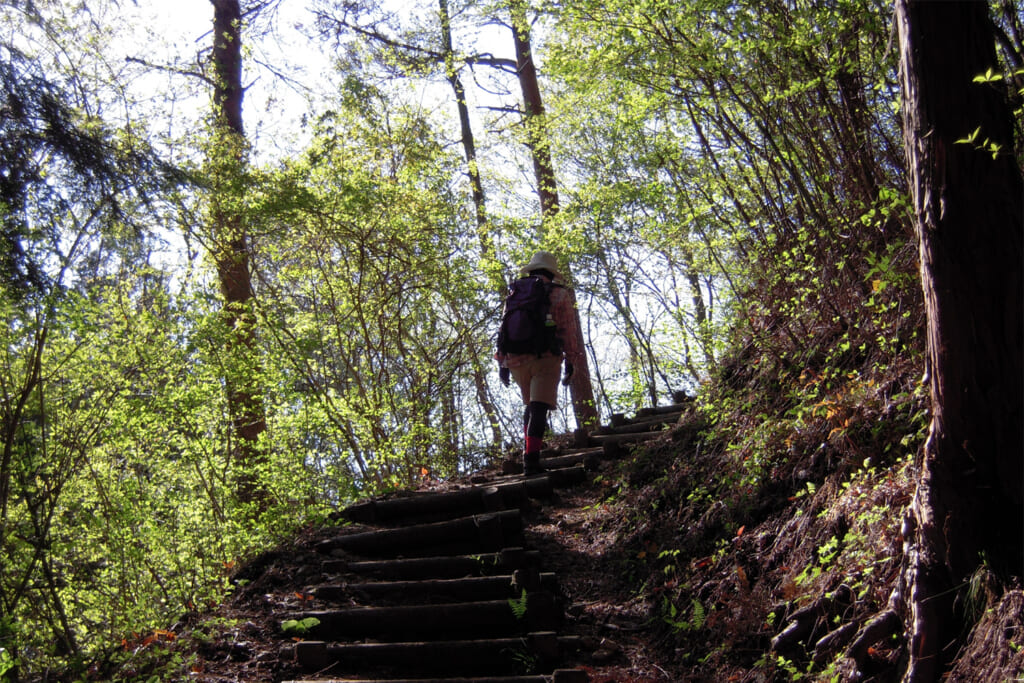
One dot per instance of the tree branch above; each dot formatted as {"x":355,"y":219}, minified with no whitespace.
{"x":170,"y":69}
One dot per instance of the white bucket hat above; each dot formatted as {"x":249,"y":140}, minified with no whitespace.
{"x":542,"y":260}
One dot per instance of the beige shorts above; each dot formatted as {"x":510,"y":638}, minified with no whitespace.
{"x":538,"y":378}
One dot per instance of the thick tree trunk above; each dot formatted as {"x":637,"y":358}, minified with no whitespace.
{"x":231,"y":248}
{"x":968,"y":202}
{"x":580,"y":386}
{"x":533,"y":107}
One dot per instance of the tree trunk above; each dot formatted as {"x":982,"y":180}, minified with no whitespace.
{"x":479,"y":204}
{"x":533,"y":108}
{"x":468,"y":141}
{"x":968,"y":203}
{"x":580,"y":387}
{"x":231,"y":248}
{"x":701,"y":314}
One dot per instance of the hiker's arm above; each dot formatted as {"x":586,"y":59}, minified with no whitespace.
{"x":563,"y":310}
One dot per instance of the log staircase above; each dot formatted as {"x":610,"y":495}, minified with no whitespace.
{"x":443,"y":588}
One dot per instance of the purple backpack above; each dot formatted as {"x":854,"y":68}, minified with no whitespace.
{"x":526,"y":326}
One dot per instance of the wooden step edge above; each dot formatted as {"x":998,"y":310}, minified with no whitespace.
{"x":439,"y":566}
{"x":643,"y":416}
{"x":476,"y":499}
{"x":605,"y":439}
{"x":661,"y":410}
{"x":542,"y":486}
{"x":638,"y":427}
{"x":662,"y":418}
{"x":619,"y":446}
{"x":376,"y":510}
{"x":540,"y":611}
{"x":589,"y":460}
{"x":430,"y":657}
{"x":486,"y":532}
{"x":557,"y":676}
{"x":464,"y":589}
{"x":556,"y":452}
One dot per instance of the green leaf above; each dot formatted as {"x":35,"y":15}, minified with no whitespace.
{"x":989,"y":76}
{"x":298,"y":627}
{"x":970,"y":139}
{"x":518,"y":605}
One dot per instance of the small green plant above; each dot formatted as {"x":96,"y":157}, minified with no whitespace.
{"x":808,"y":490}
{"x":518,"y":605}
{"x":694,"y":623}
{"x":789,"y":667}
{"x":828,"y":551}
{"x":986,"y":145}
{"x":6,"y":663}
{"x":299,"y":627}
{"x":525,"y":660}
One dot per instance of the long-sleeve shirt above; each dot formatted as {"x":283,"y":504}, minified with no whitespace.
{"x":563,"y":311}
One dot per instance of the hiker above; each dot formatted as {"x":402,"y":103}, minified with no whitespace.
{"x":536,"y":362}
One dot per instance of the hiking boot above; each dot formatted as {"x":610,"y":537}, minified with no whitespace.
{"x":531,"y":464}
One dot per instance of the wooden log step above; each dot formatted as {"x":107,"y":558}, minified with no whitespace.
{"x":466,"y":589}
{"x":552,"y":479}
{"x":486,"y":533}
{"x":660,"y":410}
{"x":557,"y":676}
{"x":624,"y":424}
{"x":558,"y":452}
{"x":662,"y":419}
{"x":447,"y":567}
{"x":623,"y":439}
{"x":534,"y":653}
{"x":587,"y":459}
{"x":669,"y":413}
{"x":487,"y":618}
{"x":440,"y":506}
{"x":617,"y":445}
{"x":636,"y":427}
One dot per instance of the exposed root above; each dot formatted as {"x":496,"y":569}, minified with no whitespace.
{"x":804,"y":622}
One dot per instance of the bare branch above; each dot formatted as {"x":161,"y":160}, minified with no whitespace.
{"x":170,"y":69}
{"x":488,"y":59}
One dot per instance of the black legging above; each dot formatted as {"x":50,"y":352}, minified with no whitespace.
{"x":535,"y":419}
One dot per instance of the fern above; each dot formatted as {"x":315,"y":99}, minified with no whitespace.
{"x":699,"y":615}
{"x":518,"y":605}
{"x":694,"y":623}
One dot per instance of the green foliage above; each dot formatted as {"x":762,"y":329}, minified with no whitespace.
{"x":673,"y":618}
{"x":526,"y":661}
{"x":715,"y":159}
{"x":371,"y":307}
{"x":299,"y":627}
{"x":122,"y":473}
{"x":519,"y":605}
